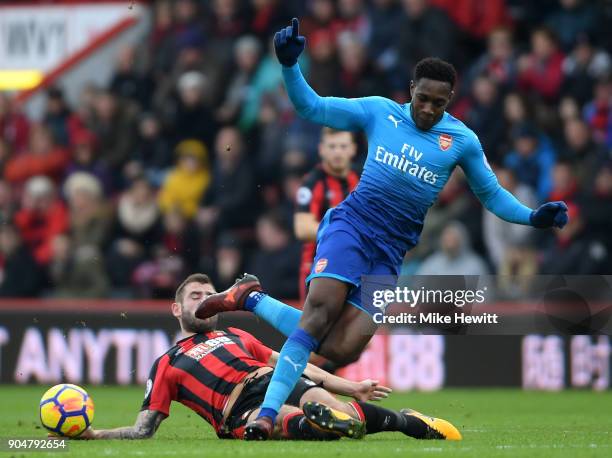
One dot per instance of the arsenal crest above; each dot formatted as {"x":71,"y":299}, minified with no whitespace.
{"x":445,"y":141}
{"x":320,"y":266}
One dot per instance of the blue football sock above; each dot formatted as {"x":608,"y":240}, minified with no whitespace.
{"x":290,"y":366}
{"x":282,"y":317}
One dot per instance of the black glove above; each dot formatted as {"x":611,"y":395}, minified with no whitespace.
{"x":288,"y":44}
{"x":550,"y":214}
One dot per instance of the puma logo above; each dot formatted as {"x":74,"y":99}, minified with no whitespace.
{"x":395,"y":121}
{"x":296,"y":366}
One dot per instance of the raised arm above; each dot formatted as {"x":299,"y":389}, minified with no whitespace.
{"x":335,"y":112}
{"x":499,"y":201}
{"x":145,"y":426}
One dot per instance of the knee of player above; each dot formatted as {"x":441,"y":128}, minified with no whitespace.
{"x":344,"y":407}
{"x":327,"y":306}
{"x":320,"y":313}
{"x":318,"y":302}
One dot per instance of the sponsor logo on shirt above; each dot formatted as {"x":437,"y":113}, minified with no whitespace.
{"x":406,"y":161}
{"x":202,"y":349}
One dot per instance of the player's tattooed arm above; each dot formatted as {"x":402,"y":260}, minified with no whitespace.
{"x":146,"y":424}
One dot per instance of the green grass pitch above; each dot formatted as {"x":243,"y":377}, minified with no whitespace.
{"x":508,"y":423}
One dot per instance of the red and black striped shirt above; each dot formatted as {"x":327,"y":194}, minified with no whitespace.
{"x":319,"y":192}
{"x":201,"y":371}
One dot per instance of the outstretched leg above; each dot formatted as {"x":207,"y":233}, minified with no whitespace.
{"x":246,"y":294}
{"x":281,"y":316}
{"x":380,"y":419}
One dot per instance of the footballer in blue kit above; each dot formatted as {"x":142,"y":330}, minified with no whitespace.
{"x":412,"y":150}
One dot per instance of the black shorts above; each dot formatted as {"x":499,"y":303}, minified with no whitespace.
{"x":252,"y":396}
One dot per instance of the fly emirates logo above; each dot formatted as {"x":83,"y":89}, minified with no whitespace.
{"x":406,"y":161}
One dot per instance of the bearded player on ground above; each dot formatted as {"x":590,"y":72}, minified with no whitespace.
{"x":222,"y":375}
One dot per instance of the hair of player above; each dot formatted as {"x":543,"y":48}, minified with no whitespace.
{"x":202,"y":279}
{"x":325,"y":131}
{"x":435,"y":69}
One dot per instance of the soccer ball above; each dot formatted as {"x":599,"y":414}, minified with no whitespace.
{"x":66,"y":410}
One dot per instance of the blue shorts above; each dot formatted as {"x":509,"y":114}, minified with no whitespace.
{"x":346,"y":254}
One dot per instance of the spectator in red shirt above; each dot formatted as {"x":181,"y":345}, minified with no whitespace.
{"x":41,"y":218}
{"x":475,"y":17}
{"x":540,"y":72}
{"x":43,"y":158}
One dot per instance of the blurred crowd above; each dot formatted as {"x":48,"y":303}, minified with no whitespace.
{"x":190,"y":158}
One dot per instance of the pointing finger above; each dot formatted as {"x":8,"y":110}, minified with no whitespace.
{"x":295,"y":27}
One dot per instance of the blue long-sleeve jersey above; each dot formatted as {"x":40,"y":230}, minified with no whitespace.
{"x":406,"y":167}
